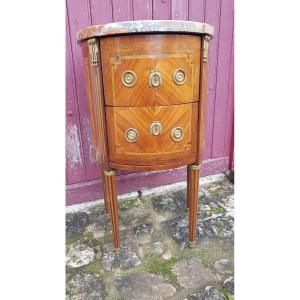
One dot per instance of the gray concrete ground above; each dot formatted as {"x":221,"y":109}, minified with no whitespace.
{"x":154,"y":260}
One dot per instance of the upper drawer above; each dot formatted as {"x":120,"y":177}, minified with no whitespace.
{"x":148,"y":70}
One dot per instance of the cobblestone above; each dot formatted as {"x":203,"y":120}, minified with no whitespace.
{"x":154,"y":261}
{"x":85,"y":286}
{"x":145,"y":286}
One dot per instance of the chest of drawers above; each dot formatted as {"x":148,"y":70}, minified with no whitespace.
{"x":146,"y":84}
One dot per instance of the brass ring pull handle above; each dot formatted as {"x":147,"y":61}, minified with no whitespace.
{"x":177,"y":134}
{"x":155,"y":79}
{"x":179,"y":76}
{"x":129,"y":78}
{"x":131,"y":135}
{"x":156,"y":128}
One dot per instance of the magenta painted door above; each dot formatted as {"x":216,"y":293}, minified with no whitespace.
{"x":82,"y":177}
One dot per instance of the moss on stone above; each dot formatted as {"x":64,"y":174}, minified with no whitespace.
{"x":214,"y":193}
{"x":220,"y":210}
{"x":219,"y":226}
{"x":215,"y":209}
{"x":74,"y":239}
{"x":226,"y":293}
{"x":88,"y":236}
{"x":129,"y":203}
{"x":94,"y":267}
{"x":214,"y":189}
{"x":71,"y":272}
{"x":157,"y":265}
{"x":212,"y":252}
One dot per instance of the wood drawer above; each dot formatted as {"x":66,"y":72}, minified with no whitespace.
{"x":155,"y":69}
{"x":145,"y":122}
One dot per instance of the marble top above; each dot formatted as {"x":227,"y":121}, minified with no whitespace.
{"x":147,"y":26}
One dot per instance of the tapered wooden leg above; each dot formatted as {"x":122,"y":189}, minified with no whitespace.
{"x":105,"y":194}
{"x":193,"y":185}
{"x":110,"y":183}
{"x":188,"y":187}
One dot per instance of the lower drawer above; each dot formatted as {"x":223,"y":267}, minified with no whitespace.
{"x":152,"y":135}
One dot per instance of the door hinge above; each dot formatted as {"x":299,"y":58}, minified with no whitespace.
{"x":205,"y":48}
{"x":93,"y":50}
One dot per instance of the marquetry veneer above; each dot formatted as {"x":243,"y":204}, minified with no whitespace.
{"x":146,"y":84}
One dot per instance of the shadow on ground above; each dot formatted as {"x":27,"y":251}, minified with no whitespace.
{"x":154,"y":261}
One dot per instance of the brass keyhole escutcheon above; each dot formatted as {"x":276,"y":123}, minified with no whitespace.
{"x":155,"y":79}
{"x":129,"y":78}
{"x":179,"y":76}
{"x":177,"y":134}
{"x":131,"y":135}
{"x":156,"y":128}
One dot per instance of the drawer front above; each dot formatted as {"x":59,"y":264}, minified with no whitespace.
{"x":152,"y":135}
{"x":150,"y":69}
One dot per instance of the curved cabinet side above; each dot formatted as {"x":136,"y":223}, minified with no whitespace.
{"x":203,"y":98}
{"x":95,"y":97}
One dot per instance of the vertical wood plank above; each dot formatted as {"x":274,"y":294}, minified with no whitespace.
{"x":75,"y":171}
{"x":228,"y":139}
{"x":196,"y":10}
{"x":226,"y":28}
{"x":179,"y":9}
{"x":142,"y":10}
{"x":231,"y":154}
{"x":122,"y":10}
{"x":101,"y":11}
{"x":79,"y":17}
{"x":212,"y":16}
{"x":161,"y":9}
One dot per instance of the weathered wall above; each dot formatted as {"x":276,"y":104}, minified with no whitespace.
{"x":81,"y":169}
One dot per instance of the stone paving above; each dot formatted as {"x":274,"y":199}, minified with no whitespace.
{"x":154,"y":261}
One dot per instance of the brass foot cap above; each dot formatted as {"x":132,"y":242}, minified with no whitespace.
{"x":117,"y":251}
{"x":110,"y":173}
{"x":192,"y":244}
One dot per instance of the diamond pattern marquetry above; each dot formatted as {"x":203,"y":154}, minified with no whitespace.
{"x":149,"y":148}
{"x":176,"y":52}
